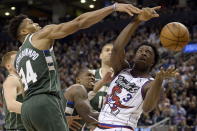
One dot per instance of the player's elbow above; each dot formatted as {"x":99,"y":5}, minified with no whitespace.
{"x":147,"y":109}
{"x":10,"y":107}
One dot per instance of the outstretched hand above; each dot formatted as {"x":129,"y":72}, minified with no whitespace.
{"x":148,"y":13}
{"x":128,"y":8}
{"x":168,"y":73}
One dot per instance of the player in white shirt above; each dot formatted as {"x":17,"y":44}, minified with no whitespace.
{"x":133,"y":90}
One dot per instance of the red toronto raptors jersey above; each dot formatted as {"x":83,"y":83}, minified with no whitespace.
{"x":123,"y":104}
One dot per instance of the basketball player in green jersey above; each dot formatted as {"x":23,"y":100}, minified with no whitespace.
{"x":12,"y":92}
{"x":99,"y":97}
{"x":42,"y":108}
{"x":77,"y":96}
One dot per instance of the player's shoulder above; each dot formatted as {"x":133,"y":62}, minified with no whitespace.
{"x":43,"y":32}
{"x":47,"y":27}
{"x":77,"y":89}
{"x":11,"y":79}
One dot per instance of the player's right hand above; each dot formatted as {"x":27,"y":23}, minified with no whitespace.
{"x":127,"y":8}
{"x":72,"y":123}
{"x":148,"y":13}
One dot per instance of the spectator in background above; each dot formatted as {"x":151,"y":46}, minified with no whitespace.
{"x":191,"y":113}
{"x":180,"y":121}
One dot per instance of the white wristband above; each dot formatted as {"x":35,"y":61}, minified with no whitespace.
{"x":114,"y":6}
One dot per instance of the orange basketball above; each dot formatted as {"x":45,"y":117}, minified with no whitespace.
{"x":174,"y":36}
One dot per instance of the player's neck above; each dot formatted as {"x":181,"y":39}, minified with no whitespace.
{"x":104,"y":69}
{"x":139,"y":73}
{"x":13,"y":72}
{"x":22,"y":38}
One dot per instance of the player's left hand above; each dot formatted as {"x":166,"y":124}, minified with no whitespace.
{"x":148,"y":13}
{"x":73,"y":124}
{"x":168,"y":73}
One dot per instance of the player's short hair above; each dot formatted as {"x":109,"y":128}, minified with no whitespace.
{"x":106,"y":45}
{"x":7,"y":57}
{"x":81,"y":71}
{"x":14,"y":25}
{"x":156,"y":53}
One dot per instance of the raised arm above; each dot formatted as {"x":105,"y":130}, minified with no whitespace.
{"x":10,"y":93}
{"x":118,"y":60}
{"x":106,"y":79}
{"x":82,"y":105}
{"x":85,"y":20}
{"x":154,"y":88}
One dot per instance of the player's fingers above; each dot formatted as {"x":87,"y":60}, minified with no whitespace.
{"x":173,"y":69}
{"x":170,"y":69}
{"x":172,"y":75}
{"x":77,"y":125}
{"x":176,"y":73}
{"x":161,"y":69}
{"x":77,"y":117}
{"x":111,"y":70}
{"x":168,"y":73}
{"x":156,"y":7}
{"x":129,"y":11}
{"x":72,"y":128}
{"x":152,"y":11}
{"x":155,"y":15}
{"x":134,"y":9}
{"x":176,"y":70}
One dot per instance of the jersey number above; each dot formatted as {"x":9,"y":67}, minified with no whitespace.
{"x":129,"y":96}
{"x":30,"y":75}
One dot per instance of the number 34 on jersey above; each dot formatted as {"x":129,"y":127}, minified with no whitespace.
{"x":29,"y":76}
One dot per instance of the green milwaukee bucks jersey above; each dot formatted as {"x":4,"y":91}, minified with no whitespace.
{"x":98,"y":101}
{"x":37,"y":69}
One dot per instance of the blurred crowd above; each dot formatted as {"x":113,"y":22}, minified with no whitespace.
{"x":178,"y":100}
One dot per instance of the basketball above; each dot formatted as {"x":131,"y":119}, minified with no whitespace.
{"x":174,"y":36}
